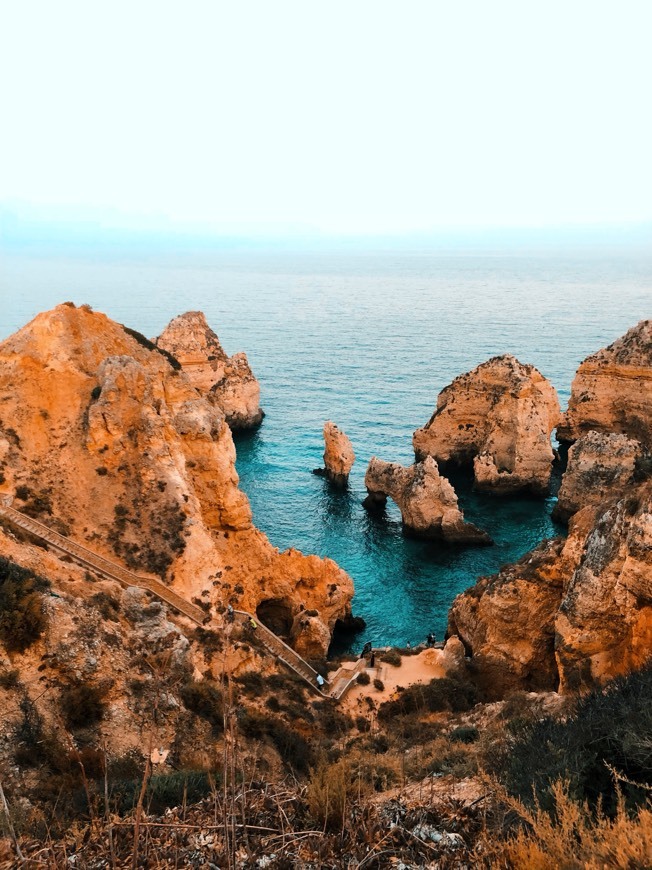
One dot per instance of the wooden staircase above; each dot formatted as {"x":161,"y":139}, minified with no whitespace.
{"x":112,"y":571}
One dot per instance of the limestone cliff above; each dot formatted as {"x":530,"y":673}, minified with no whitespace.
{"x":499,"y":417}
{"x":229,"y":380}
{"x":338,"y":454}
{"x":572,"y":614}
{"x":599,"y":464}
{"x":427,"y":501}
{"x":102,"y":436}
{"x":612,"y":390}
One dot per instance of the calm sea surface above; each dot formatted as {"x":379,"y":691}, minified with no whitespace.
{"x":366,"y":340}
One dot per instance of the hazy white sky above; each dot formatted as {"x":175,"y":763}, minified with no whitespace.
{"x":354,"y":116}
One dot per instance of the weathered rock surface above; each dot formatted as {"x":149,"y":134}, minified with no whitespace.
{"x":507,"y":624}
{"x":427,"y":501}
{"x":612,"y":390}
{"x":229,"y":380}
{"x":338,"y":454}
{"x":599,"y":465}
{"x":103,"y":438}
{"x":571,"y":614}
{"x":499,"y":417}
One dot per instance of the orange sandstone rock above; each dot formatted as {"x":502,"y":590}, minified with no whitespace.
{"x":599,"y":465}
{"x":499,"y":417}
{"x":427,"y":501}
{"x":229,"y":380}
{"x":571,"y":614}
{"x":102,"y":438}
{"x":338,"y":454}
{"x":612,"y":390}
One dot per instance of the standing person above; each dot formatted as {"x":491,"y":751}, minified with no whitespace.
{"x":408,"y":645}
{"x":230,"y":613}
{"x":372,"y":660}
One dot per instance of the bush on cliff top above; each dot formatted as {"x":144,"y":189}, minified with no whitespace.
{"x":437,"y":695}
{"x":611,"y":726}
{"x":22,"y":620}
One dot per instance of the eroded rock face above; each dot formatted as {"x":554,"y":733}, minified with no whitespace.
{"x":338,"y":454}
{"x":612,"y":390}
{"x":499,"y":417}
{"x":604,"y":624}
{"x":507,"y":624}
{"x":571,"y":614}
{"x":427,"y":501}
{"x":229,"y":380}
{"x":599,"y":465}
{"x":102,"y":438}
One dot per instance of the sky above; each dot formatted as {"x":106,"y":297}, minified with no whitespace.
{"x":352,"y":117}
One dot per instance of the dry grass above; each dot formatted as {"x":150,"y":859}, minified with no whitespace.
{"x":575,"y":838}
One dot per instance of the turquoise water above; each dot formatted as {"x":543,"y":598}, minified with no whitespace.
{"x":366,"y":340}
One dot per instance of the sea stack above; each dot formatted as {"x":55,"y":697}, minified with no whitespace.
{"x":227,"y":380}
{"x":427,"y":501}
{"x":338,"y":454}
{"x":498,"y":417}
{"x":612,"y":390}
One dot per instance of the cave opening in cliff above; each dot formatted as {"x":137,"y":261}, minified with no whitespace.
{"x":276,"y":614}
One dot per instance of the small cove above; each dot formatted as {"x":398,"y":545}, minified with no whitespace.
{"x":367,"y":340}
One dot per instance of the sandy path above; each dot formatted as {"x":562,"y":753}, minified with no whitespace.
{"x":420,"y":668}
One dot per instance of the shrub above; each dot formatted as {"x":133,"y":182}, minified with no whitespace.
{"x":611,"y":726}
{"x":96,"y":392}
{"x":591,"y":838}
{"x":205,"y":699}
{"x":446,"y":693}
{"x":9,"y":679}
{"x":363,"y":678}
{"x":327,"y":794}
{"x":465,"y":734}
{"x":145,"y":342}
{"x":391,"y":657}
{"x":22,"y":620}
{"x":379,"y":685}
{"x":252,"y":682}
{"x":108,"y":606}
{"x":163,"y":790}
{"x":333,"y":721}
{"x":82,"y":704}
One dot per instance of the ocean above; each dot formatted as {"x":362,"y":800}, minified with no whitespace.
{"x":366,"y":339}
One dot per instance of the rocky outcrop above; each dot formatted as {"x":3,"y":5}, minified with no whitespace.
{"x":571,"y":614}
{"x":427,"y":501}
{"x":499,"y":417}
{"x":507,"y":624}
{"x":338,"y":455}
{"x":612,"y":390}
{"x":599,"y":465}
{"x":229,"y":380}
{"x":102,"y":437}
